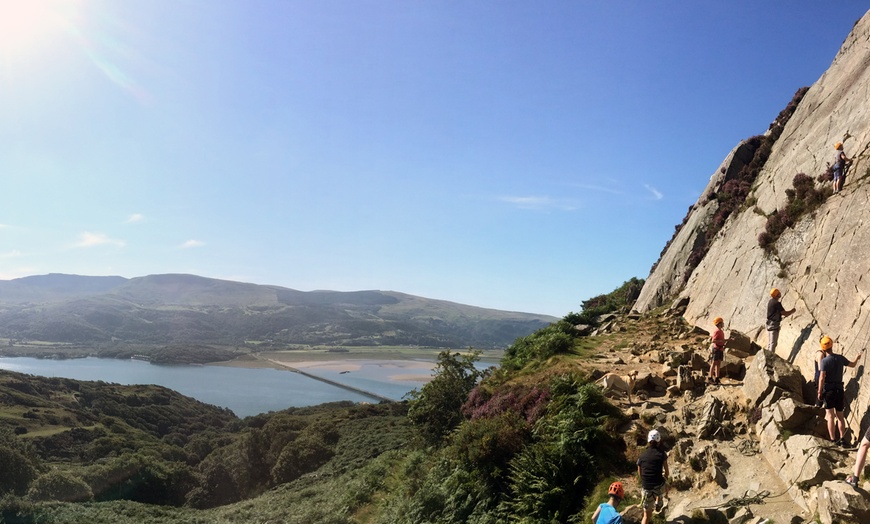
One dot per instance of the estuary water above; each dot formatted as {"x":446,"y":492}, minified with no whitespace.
{"x":243,"y":390}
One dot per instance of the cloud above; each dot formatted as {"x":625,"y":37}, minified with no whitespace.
{"x":88,"y":239}
{"x":537,"y":203}
{"x":134,"y":218}
{"x":601,"y":189}
{"x":656,"y":194}
{"x":192,"y":243}
{"x":11,"y":254}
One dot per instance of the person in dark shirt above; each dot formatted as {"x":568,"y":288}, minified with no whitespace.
{"x":775,"y":313}
{"x":831,"y":387}
{"x":652,"y":468}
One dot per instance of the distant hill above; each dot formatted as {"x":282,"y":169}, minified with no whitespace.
{"x":189,"y":309}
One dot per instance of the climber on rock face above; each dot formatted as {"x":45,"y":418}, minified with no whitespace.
{"x":831,"y":388}
{"x":839,"y":167}
{"x":775,"y":313}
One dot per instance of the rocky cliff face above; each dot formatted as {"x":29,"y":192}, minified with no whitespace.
{"x":821,"y":262}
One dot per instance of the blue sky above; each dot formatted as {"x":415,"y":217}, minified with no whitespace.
{"x":514,"y":155}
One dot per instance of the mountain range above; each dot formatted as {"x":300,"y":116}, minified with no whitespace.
{"x":188,"y":309}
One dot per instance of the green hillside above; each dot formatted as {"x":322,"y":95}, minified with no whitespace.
{"x":526,"y":442}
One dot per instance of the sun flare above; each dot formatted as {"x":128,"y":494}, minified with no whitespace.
{"x":25,"y":24}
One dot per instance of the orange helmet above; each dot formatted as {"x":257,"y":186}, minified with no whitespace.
{"x":838,"y":145}
{"x":826,"y":343}
{"x":617,"y":490}
{"x":717,"y":321}
{"x":775,"y":293}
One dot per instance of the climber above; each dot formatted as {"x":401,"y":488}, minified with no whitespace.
{"x":606,"y":512}
{"x":831,"y":388}
{"x":652,"y":468}
{"x":775,"y":312}
{"x":817,"y":365}
{"x":717,"y":349}
{"x":840,"y":166}
{"x":860,"y":458}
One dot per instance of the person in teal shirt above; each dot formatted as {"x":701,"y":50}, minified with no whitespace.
{"x":606,"y":512}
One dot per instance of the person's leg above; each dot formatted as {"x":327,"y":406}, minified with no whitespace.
{"x":841,"y":424}
{"x":772,"y":339}
{"x":647,"y":516}
{"x":861,"y":457}
{"x":830,"y":416}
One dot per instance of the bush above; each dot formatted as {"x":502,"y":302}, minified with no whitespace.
{"x":59,"y":485}
{"x":802,"y":198}
{"x":435,"y":409}
{"x":554,"y":339}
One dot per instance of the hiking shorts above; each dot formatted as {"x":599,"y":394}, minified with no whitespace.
{"x":717,"y":355}
{"x":867,"y":434}
{"x":834,"y":399}
{"x":649,"y":496}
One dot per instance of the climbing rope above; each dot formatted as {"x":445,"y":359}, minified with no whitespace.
{"x":762,"y":496}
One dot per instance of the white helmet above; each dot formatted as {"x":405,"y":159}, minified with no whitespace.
{"x":654,"y":436}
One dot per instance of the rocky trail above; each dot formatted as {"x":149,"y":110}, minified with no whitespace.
{"x":746,"y":451}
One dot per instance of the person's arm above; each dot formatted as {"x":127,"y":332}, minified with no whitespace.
{"x":789,"y":312}
{"x":855,"y":362}
{"x":821,"y":382}
{"x":595,"y":515}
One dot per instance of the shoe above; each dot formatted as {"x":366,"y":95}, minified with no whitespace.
{"x":852,"y":481}
{"x":660,"y":504}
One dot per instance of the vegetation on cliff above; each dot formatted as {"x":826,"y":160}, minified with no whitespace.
{"x":733,"y":194}
{"x":527,"y":441}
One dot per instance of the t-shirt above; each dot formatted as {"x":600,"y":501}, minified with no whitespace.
{"x":608,"y":515}
{"x":719,"y":339}
{"x":833,"y":365}
{"x":838,"y":160}
{"x":651,"y":463}
{"x":774,"y":314}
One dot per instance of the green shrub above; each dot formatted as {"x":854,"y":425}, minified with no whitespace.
{"x":554,"y":339}
{"x":59,"y":485}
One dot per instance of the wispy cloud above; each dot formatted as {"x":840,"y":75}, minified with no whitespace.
{"x":602,"y":189}
{"x":88,"y":239}
{"x":135,"y":218}
{"x":538,"y":203}
{"x":191,"y":244}
{"x":656,"y":194}
{"x":11,"y":254}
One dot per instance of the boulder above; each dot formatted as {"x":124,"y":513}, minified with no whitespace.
{"x":632,"y":514}
{"x":840,"y":503}
{"x":685,"y":380}
{"x":739,"y":343}
{"x":769,"y":377}
{"x":732,"y":367}
{"x":792,"y":415}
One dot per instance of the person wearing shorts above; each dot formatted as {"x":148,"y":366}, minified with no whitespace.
{"x":717,"y":349}
{"x":860,"y":458}
{"x":652,"y":468}
{"x":830,"y":388}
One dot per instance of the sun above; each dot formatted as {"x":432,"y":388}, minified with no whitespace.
{"x":25,"y":24}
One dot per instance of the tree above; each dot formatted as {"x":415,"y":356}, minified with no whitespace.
{"x":435,"y":409}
